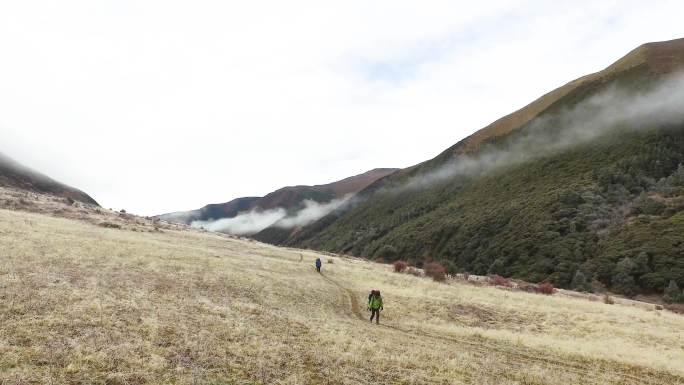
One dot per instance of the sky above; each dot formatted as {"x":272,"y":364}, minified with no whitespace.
{"x":160,"y":106}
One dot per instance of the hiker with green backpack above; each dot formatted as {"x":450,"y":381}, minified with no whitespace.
{"x":375,"y":305}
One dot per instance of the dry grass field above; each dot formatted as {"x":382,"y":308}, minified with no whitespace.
{"x":85,"y":304}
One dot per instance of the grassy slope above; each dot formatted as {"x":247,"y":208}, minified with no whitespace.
{"x":85,"y":304}
{"x":524,"y":220}
{"x":13,"y":174}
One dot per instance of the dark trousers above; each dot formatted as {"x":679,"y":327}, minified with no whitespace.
{"x":375,"y":313}
{"x":318,"y":269}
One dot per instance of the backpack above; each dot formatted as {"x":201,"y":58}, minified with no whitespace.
{"x":373,"y":293}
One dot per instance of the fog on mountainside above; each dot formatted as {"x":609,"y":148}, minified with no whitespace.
{"x":615,"y":108}
{"x":253,"y":221}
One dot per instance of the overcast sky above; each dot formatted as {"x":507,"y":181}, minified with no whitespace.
{"x":158,"y":106}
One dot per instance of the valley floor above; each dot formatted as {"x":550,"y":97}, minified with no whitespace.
{"x":86,"y":304}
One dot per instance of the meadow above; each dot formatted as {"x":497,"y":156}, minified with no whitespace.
{"x":86,"y":303}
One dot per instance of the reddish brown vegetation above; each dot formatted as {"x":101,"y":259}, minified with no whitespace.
{"x":400,"y":266}
{"x":435,"y":271}
{"x":545,"y":288}
{"x":498,"y":280}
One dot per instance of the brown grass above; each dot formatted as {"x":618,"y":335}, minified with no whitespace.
{"x":82,"y":304}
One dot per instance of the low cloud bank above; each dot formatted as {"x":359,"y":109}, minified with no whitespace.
{"x":609,"y":110}
{"x":247,"y":223}
{"x":311,"y":212}
{"x":253,"y":221}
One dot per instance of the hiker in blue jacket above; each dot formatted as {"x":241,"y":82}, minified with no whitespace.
{"x":318,"y":265}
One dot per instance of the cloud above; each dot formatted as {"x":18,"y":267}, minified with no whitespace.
{"x":311,"y":212}
{"x":252,"y":222}
{"x":610,"y":110}
{"x":247,"y":223}
{"x":158,"y":106}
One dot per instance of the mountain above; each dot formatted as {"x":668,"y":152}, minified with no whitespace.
{"x":588,"y":178}
{"x":276,"y":207}
{"x":212,"y":211}
{"x":15,"y":175}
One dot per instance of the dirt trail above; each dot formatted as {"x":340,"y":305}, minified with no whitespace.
{"x":355,"y":308}
{"x":519,"y":356}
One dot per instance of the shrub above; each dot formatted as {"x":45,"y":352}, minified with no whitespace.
{"x":110,"y":225}
{"x":435,"y":271}
{"x":672,"y":292}
{"x":608,"y":299}
{"x":122,"y":211}
{"x":498,"y":280}
{"x":499,"y":266}
{"x":415,"y":272}
{"x":580,"y":282}
{"x":331,"y":260}
{"x":545,"y":288}
{"x":623,"y":280}
{"x":400,"y":266}
{"x":648,"y":206}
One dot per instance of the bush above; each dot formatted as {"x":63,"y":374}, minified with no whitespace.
{"x":648,"y":206}
{"x":110,"y":225}
{"x":623,"y":280}
{"x":331,"y":260}
{"x":415,"y":272}
{"x":580,"y":282}
{"x":400,"y":266}
{"x":435,"y":271}
{"x":672,"y":292}
{"x":545,"y":288}
{"x":498,"y":280}
{"x":608,"y":299}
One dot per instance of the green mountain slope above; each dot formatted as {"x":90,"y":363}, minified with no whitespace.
{"x":592,"y":181}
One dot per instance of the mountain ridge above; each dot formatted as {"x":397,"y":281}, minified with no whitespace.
{"x":15,"y":175}
{"x":288,"y":198}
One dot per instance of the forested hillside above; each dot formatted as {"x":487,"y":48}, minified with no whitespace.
{"x":594,"y":183}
